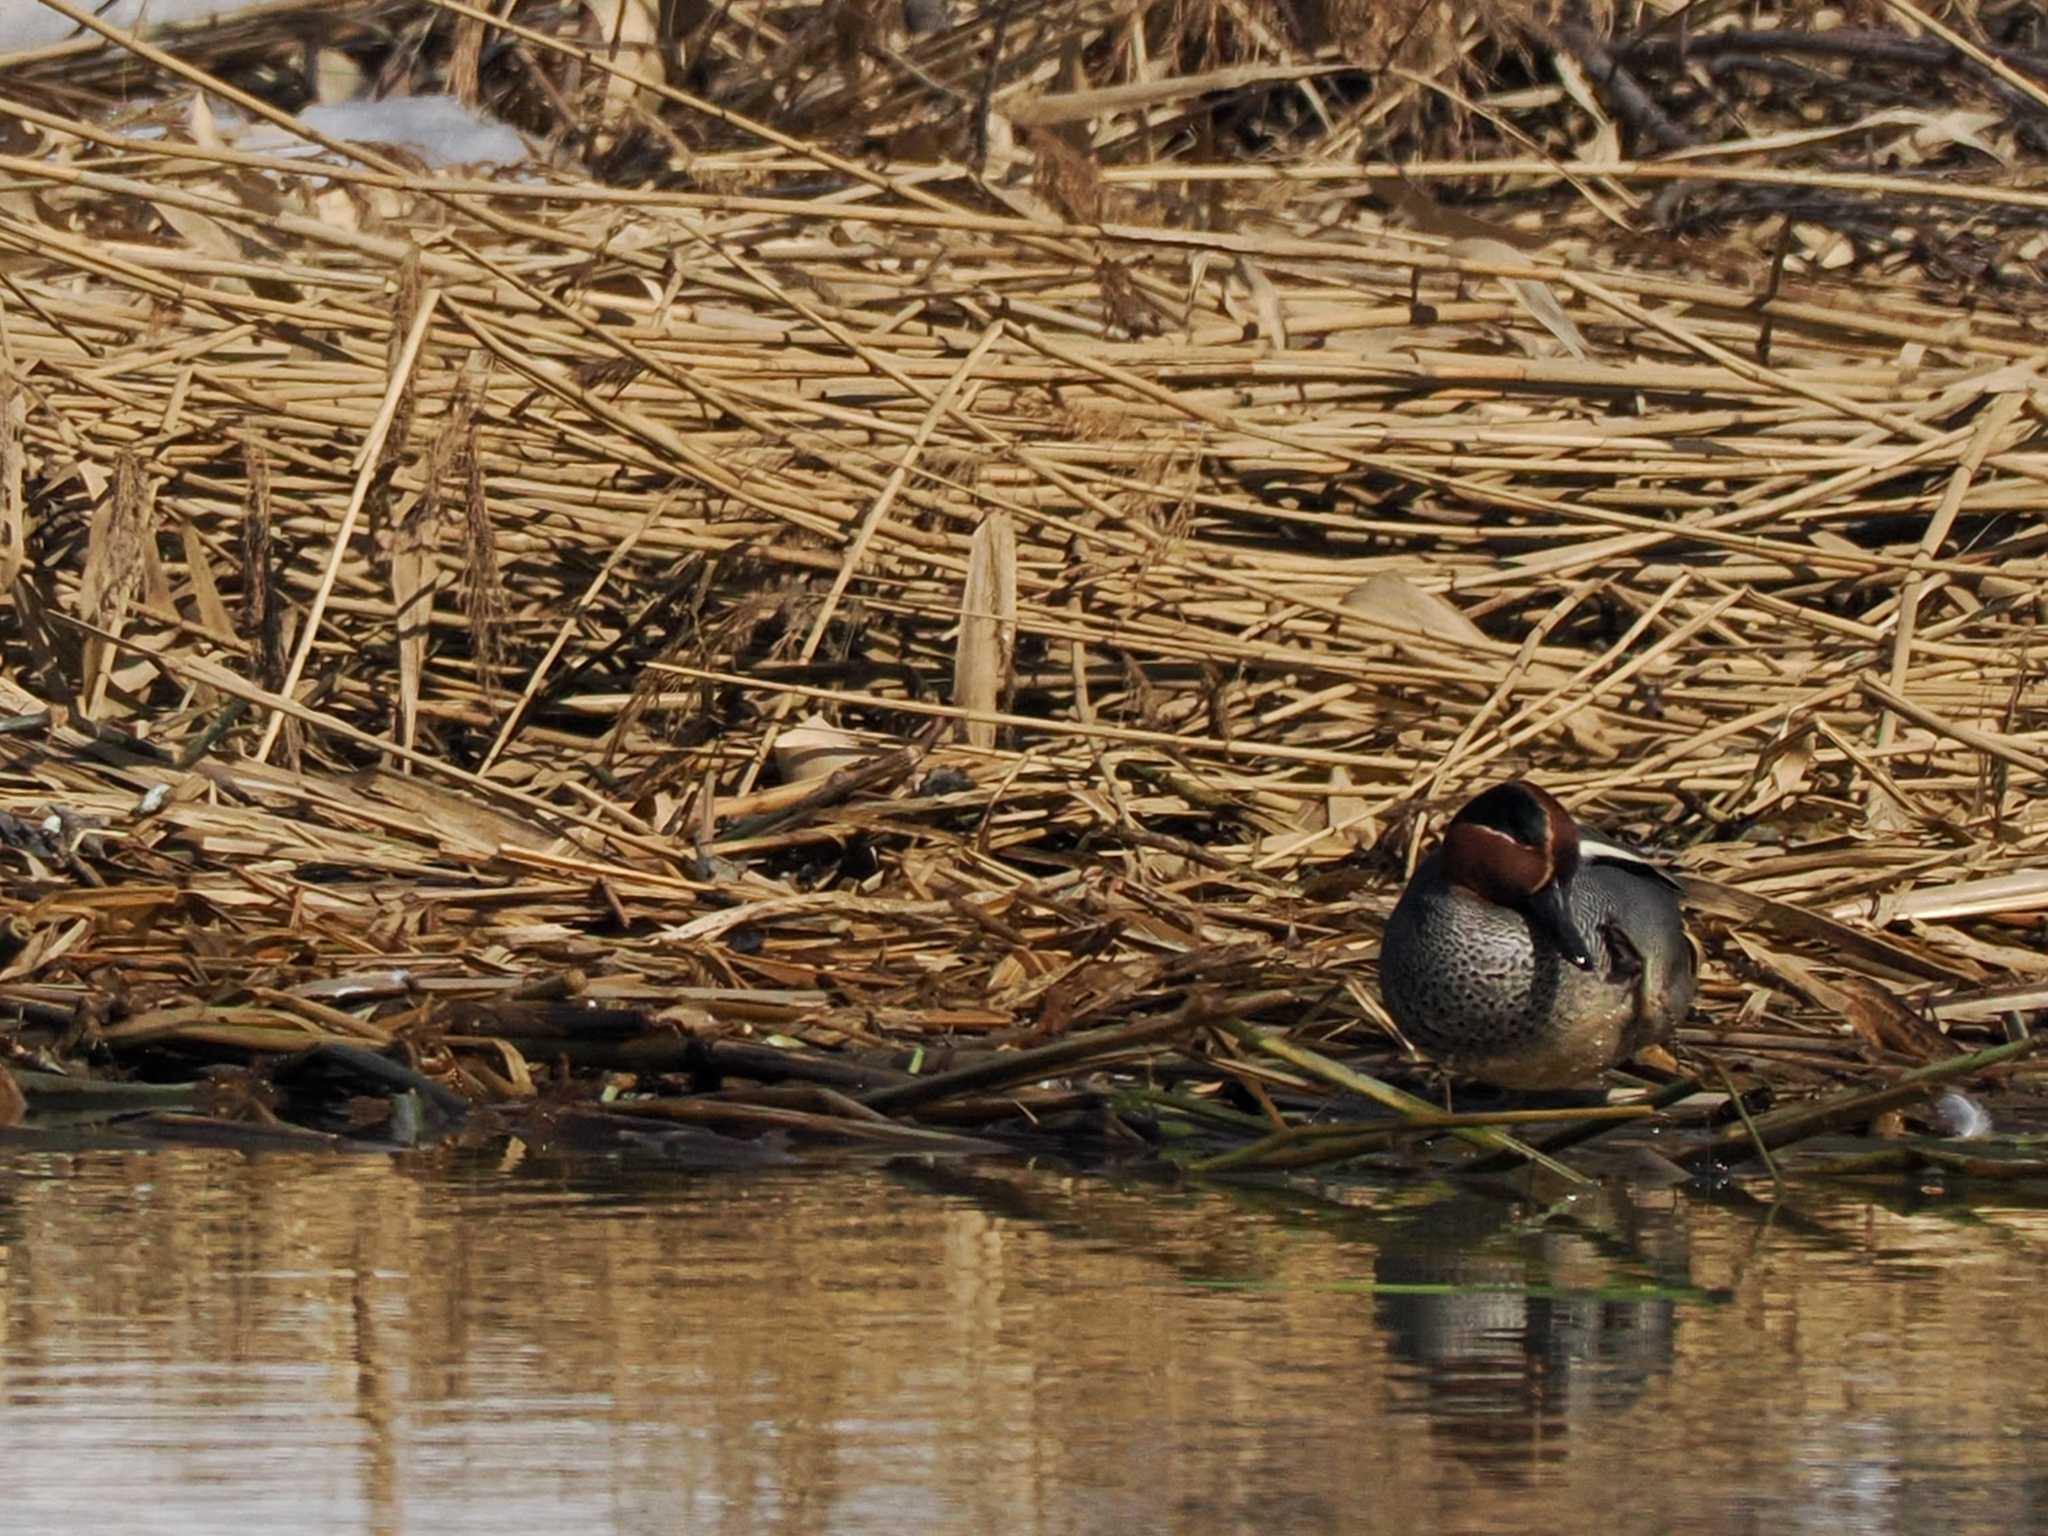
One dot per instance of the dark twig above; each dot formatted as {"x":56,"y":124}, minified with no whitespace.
{"x":1858,"y":45}
{"x":1631,"y":102}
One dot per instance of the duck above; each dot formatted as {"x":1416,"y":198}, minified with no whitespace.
{"x":1528,"y":954}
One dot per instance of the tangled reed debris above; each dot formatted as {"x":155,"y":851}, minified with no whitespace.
{"x":918,"y":577}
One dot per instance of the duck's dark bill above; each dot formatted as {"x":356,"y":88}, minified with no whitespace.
{"x":1551,"y":917}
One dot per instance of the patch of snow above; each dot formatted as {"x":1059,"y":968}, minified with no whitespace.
{"x":26,"y":25}
{"x":439,"y":129}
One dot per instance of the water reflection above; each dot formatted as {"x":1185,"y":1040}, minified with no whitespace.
{"x":193,"y":1340}
{"x":1517,"y":1329}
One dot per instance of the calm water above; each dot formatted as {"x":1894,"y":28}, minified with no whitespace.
{"x":200,"y":1341}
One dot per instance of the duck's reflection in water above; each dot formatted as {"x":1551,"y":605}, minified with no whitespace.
{"x":1515,"y":1331}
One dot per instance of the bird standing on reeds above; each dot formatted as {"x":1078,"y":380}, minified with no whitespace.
{"x":1528,"y":955}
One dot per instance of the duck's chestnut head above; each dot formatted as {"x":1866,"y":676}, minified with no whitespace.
{"x":1515,"y":846}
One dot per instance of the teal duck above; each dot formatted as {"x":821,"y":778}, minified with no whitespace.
{"x":1529,"y":955}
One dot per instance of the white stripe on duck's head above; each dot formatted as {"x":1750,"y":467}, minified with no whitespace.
{"x":1514,"y":845}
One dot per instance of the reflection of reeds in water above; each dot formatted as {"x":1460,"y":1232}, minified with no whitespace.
{"x":796,"y":1351}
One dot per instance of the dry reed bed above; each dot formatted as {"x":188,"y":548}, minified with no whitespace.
{"x":615,"y":626}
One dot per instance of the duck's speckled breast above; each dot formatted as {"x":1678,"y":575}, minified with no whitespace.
{"x":1470,"y":983}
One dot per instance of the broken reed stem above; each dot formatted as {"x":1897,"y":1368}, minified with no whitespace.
{"x":1074,"y":1051}
{"x":1404,"y":1104}
{"x":1191,"y":1108}
{"x":835,"y":1126}
{"x":1662,"y":1099}
{"x":1756,"y":1139}
{"x":370,"y":459}
{"x":1322,"y":1142}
